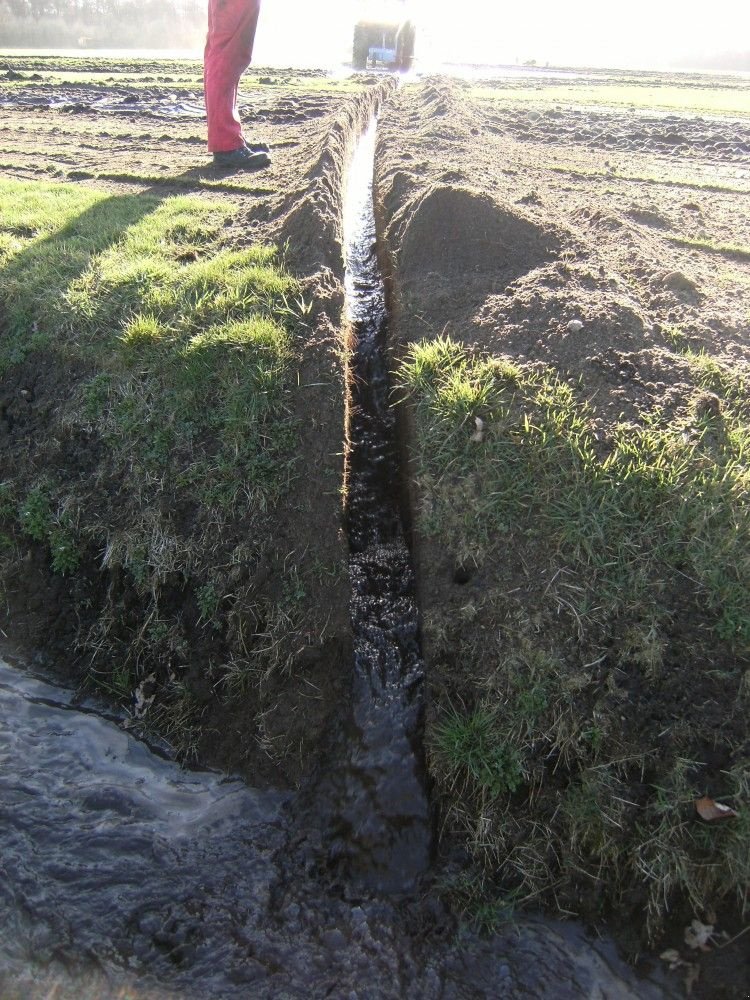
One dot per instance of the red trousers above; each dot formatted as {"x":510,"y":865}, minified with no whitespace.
{"x":229,"y":49}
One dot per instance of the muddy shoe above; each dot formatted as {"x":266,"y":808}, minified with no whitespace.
{"x":258,"y":147}
{"x":242,"y":159}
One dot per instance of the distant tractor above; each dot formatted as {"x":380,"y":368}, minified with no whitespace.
{"x":384,"y":36}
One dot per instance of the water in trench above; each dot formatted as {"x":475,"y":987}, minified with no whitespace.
{"x":120,"y":872}
{"x":372,"y":794}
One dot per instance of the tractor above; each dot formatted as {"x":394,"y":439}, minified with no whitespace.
{"x":384,"y":36}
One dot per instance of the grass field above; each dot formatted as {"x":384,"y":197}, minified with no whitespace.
{"x":704,"y":100}
{"x":668,"y":502}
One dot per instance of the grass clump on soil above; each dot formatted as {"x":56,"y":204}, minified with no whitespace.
{"x":171,"y":351}
{"x":37,"y":520}
{"x":468,"y":748}
{"x":604,"y":633}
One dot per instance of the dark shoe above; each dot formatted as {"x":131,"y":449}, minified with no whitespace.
{"x":242,"y":159}
{"x":258,"y":147}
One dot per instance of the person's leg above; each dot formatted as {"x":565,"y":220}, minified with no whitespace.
{"x":229,"y":49}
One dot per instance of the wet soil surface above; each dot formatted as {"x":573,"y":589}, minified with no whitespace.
{"x":122,"y":872}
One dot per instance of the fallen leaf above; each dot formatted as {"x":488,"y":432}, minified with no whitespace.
{"x":699,"y":935}
{"x":672,"y":956}
{"x":478,"y":434}
{"x":710,"y":810}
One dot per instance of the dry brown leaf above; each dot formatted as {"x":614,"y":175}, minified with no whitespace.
{"x":710,"y":810}
{"x":699,"y":935}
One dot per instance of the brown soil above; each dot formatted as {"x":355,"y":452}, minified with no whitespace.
{"x":504,"y":222}
{"x":51,"y":130}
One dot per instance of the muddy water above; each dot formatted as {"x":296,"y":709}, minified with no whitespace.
{"x":160,"y":103}
{"x":378,"y":781}
{"x":121,"y":872}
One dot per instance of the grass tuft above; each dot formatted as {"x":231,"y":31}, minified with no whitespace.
{"x":573,"y":765}
{"x":473,"y":754}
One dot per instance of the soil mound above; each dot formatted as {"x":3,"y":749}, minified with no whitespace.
{"x":451,"y":238}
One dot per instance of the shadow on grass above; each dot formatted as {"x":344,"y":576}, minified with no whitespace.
{"x":34,"y":281}
{"x":205,"y":177}
{"x":183,"y":336}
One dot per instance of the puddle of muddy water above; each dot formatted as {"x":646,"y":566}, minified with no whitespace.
{"x":122,"y":871}
{"x":79,"y":99}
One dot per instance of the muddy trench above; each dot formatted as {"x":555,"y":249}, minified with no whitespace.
{"x":122,"y":871}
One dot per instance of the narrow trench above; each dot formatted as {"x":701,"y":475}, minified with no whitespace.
{"x":383,"y":833}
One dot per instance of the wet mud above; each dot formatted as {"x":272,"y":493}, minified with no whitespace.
{"x":73,"y":100}
{"x":122,"y":871}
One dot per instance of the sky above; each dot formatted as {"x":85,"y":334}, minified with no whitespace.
{"x":639,"y":33}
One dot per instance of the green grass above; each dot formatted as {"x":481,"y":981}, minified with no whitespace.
{"x":184,"y":337}
{"x":611,"y":544}
{"x":732,"y":250}
{"x":476,"y":759}
{"x":185,"y":181}
{"x":44,"y":521}
{"x":672,"y":181}
{"x":175,"y":352}
{"x":659,"y":504}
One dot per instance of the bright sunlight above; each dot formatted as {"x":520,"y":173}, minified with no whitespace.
{"x":641,"y":33}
